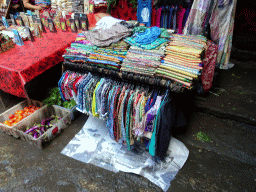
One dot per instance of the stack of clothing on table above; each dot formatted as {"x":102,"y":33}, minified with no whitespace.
{"x":100,"y":47}
{"x":183,"y":62}
{"x":146,"y":51}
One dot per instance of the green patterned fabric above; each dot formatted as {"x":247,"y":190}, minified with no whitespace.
{"x":155,"y":45}
{"x":141,"y":29}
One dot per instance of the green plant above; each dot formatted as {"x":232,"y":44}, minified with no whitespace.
{"x":112,"y":3}
{"x":54,"y":98}
{"x":202,"y":137}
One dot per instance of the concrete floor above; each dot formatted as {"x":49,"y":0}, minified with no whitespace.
{"x":226,"y":163}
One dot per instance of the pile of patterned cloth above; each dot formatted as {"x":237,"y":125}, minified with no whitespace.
{"x":45,"y":3}
{"x":6,"y":43}
{"x":146,"y":51}
{"x":76,"y":6}
{"x":183,"y":62}
{"x":102,"y":47}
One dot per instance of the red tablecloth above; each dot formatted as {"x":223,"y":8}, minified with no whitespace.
{"x":23,"y":63}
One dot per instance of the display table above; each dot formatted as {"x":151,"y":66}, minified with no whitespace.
{"x":21,"y":64}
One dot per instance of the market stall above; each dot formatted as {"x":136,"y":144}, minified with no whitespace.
{"x":127,"y":77}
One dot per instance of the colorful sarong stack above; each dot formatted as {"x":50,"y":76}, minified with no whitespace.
{"x":142,"y":61}
{"x":146,"y":51}
{"x":84,"y":51}
{"x":183,"y":60}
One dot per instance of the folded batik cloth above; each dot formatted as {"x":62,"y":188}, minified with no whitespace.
{"x":181,"y":67}
{"x":160,"y":50}
{"x":159,"y":42}
{"x":187,"y":84}
{"x":199,"y":40}
{"x":149,"y":63}
{"x":148,"y":36}
{"x":105,"y":37}
{"x":105,"y":57}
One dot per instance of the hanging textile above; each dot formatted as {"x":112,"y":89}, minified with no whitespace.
{"x":144,"y":10}
{"x":130,"y":110}
{"x":221,"y":25}
{"x":209,"y":65}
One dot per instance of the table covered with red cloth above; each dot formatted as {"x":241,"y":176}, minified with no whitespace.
{"x":21,"y":64}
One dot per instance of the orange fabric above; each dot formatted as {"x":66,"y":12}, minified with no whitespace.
{"x":92,"y":20}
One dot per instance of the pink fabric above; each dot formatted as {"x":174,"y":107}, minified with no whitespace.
{"x":180,"y":18}
{"x":158,"y":17}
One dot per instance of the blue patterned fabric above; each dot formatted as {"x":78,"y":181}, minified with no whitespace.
{"x":149,"y":36}
{"x":144,"y":10}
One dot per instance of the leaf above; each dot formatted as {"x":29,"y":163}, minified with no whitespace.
{"x":202,"y":137}
{"x":59,"y":103}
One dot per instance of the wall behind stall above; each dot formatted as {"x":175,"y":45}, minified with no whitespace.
{"x":245,"y":26}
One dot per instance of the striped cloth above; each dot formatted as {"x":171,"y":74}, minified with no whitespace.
{"x":182,"y":61}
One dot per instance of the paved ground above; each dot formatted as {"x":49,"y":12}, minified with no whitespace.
{"x":224,"y":163}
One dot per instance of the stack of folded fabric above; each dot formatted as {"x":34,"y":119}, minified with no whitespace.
{"x":82,"y":50}
{"x":142,"y":61}
{"x":147,"y":50}
{"x":110,"y":56}
{"x":183,"y":62}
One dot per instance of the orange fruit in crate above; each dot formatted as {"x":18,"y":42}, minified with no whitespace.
{"x":11,"y":116}
{"x":7,"y":123}
{"x":20,"y":114}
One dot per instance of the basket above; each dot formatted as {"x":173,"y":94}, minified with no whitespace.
{"x":50,"y":134}
{"x":73,"y":112}
{"x":12,"y":130}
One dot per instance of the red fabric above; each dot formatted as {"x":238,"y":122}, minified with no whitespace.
{"x":23,"y":63}
{"x":153,"y":17}
{"x":209,"y":64}
{"x":124,"y":10}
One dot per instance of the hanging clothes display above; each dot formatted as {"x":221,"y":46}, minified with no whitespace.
{"x":144,"y":10}
{"x":221,"y":25}
{"x":171,"y":14}
{"x":130,"y":110}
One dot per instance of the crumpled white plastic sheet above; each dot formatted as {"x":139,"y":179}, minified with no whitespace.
{"x":93,"y":145}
